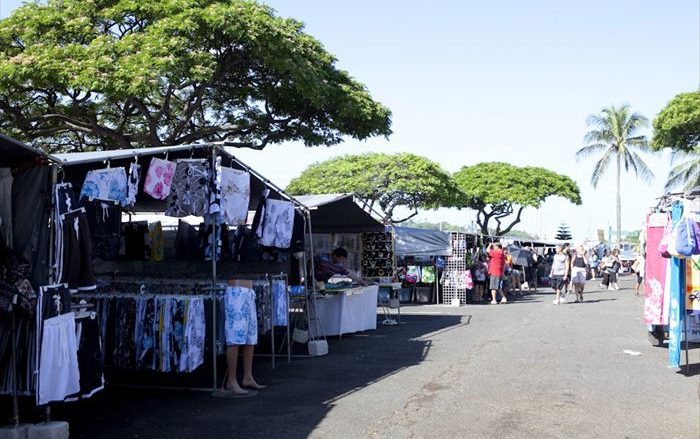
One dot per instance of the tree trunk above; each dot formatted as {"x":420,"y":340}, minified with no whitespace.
{"x":619,"y":204}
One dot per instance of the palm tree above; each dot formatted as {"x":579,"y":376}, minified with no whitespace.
{"x":615,"y":135}
{"x":685,"y":174}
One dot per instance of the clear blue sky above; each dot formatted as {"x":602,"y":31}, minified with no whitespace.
{"x":472,"y":81}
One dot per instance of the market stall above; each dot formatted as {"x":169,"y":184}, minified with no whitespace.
{"x":420,"y":260}
{"x":670,"y":246}
{"x":143,"y":263}
{"x":25,"y":205}
{"x":338,"y":220}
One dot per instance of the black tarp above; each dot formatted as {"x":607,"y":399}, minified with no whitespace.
{"x":339,"y":213}
{"x":15,"y":153}
{"x":30,"y":204}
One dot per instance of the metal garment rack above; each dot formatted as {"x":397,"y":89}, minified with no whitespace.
{"x":216,"y":149}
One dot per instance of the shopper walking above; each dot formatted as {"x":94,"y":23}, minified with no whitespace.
{"x":606,"y":262}
{"x":497,"y":262}
{"x":579,"y":268}
{"x":593,"y":262}
{"x":531,"y":272}
{"x":480,"y":270}
{"x":559,"y":274}
{"x":638,"y":267}
{"x":611,"y":267}
{"x":565,"y":288}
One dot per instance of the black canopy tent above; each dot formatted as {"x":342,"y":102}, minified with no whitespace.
{"x":25,"y":203}
{"x":73,"y":167}
{"x":15,"y":153}
{"x":339,"y":213}
{"x":29,"y":204}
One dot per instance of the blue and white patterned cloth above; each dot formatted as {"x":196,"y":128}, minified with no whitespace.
{"x":105,"y":184}
{"x":279,"y":293}
{"x":241,"y":323}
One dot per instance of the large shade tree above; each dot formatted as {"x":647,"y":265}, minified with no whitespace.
{"x":108,"y":74}
{"x":384,"y":181}
{"x":615,"y":138}
{"x":497,"y":191}
{"x":677,"y":127}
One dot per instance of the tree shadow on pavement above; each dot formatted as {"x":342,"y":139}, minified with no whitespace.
{"x":299,"y":397}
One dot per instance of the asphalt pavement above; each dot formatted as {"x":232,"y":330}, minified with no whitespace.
{"x":526,"y":369}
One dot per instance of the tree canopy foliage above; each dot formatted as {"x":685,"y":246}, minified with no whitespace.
{"x":384,"y":181}
{"x":677,"y":126}
{"x":615,"y":135}
{"x":79,"y":75}
{"x":498,"y":190}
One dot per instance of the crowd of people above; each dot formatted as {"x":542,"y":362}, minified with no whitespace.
{"x":563,"y":268}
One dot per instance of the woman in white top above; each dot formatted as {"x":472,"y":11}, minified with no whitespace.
{"x":559,"y":274}
{"x":579,"y":269}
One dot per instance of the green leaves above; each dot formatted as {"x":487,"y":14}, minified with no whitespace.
{"x":495,"y":190}
{"x":614,"y":135}
{"x":77,"y":74}
{"x":383,"y":180}
{"x":496,"y":183}
{"x":677,"y":126}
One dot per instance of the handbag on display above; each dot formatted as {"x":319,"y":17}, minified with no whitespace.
{"x":665,"y":239}
{"x":673,"y":241}
{"x":686,"y":240}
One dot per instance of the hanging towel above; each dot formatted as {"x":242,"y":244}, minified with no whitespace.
{"x":235,"y":195}
{"x":278,"y":224}
{"x":189,"y":193}
{"x":108,"y":184}
{"x":159,"y":178}
{"x":428,"y":275}
{"x":279,"y":293}
{"x":655,"y":273}
{"x":133,"y":184}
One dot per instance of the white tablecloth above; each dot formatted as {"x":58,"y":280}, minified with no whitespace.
{"x":346,"y":312}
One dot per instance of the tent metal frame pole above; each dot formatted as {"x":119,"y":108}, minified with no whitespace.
{"x":15,"y":397}
{"x":213,"y":284}
{"x":318,"y":326}
{"x":52,"y":249}
{"x":265,"y":181}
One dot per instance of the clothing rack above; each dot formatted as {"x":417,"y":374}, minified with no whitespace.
{"x":664,"y":203}
{"x":208,"y":287}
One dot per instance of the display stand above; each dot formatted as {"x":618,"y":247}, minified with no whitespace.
{"x":457,"y":263}
{"x":211,"y":151}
